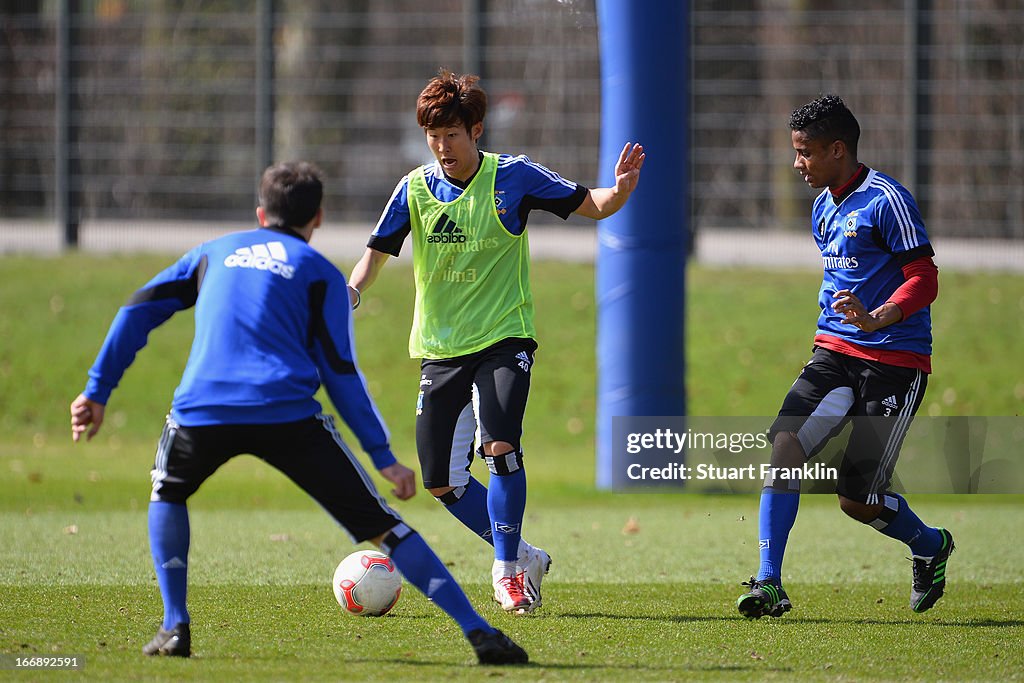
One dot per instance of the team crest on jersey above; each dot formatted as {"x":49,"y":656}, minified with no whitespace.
{"x":850,"y":229}
{"x":499,"y":202}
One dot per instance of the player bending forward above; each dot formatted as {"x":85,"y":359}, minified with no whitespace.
{"x":271,"y":324}
{"x":871,"y":359}
{"x":473,"y":320}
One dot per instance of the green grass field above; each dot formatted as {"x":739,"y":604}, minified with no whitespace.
{"x":643,"y":585}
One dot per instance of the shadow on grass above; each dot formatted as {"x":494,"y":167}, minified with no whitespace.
{"x":923,"y":621}
{"x":673,"y":619}
{"x":535,"y":666}
{"x":687,"y":619}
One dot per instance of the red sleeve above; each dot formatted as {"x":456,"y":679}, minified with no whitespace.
{"x":920,"y":289}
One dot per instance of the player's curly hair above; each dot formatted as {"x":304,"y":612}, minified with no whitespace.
{"x":827,"y":118}
{"x":451,"y":100}
{"x":291,"y":192}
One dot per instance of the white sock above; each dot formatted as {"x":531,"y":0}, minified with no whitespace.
{"x":501,"y":569}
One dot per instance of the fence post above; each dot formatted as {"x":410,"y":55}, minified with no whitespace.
{"x":917,"y":56}
{"x":264,"y":85}
{"x":473,"y":37}
{"x":65,"y":198}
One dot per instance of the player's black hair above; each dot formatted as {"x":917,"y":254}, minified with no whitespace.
{"x":291,"y":192}
{"x":827,"y":118}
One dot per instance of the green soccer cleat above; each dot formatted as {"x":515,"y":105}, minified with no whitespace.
{"x":930,"y":576}
{"x":766,"y":598}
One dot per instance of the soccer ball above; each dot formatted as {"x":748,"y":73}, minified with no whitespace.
{"x":367,"y":584}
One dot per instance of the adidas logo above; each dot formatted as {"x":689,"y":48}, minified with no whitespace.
{"x":434,"y":586}
{"x":524,"y":360}
{"x":174,"y":563}
{"x":446,"y":232}
{"x":890,"y":402}
{"x":271,"y":256}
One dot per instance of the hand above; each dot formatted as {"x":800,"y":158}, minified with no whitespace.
{"x":86,"y":414}
{"x":854,"y":312}
{"x":627,"y":170}
{"x":353,"y":297}
{"x":403,"y":478}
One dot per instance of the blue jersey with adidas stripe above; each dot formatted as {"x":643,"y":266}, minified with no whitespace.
{"x":865,"y":240}
{"x":520,"y":186}
{"x":272,"y":323}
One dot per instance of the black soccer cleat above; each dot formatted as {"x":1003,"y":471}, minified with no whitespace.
{"x":176,"y":642}
{"x":765,"y":599}
{"x":930,"y":576}
{"x":496,"y":648}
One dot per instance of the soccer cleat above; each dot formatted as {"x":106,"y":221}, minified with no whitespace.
{"x":532,"y":570}
{"x":510,"y":594}
{"x":176,"y":642}
{"x":930,"y":576}
{"x":496,"y":648}
{"x":766,"y":598}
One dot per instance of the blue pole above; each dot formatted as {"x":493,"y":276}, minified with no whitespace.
{"x":641,"y":258}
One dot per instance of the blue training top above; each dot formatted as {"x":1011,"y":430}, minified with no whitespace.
{"x":865,"y":240}
{"x":272,"y":322}
{"x":520,"y":186}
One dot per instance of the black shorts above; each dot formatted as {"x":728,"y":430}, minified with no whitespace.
{"x":881,"y":400}
{"x":310,"y":452}
{"x":478,"y":397}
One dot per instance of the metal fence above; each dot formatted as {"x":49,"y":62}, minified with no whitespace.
{"x":166,"y":109}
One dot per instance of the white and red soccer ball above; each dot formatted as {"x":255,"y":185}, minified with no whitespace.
{"x":367,"y":584}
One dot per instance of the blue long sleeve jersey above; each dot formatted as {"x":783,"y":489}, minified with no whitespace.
{"x":272,"y":322}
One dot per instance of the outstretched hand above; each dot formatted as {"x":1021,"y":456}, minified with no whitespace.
{"x":602,"y":202}
{"x":627,"y":170}
{"x":86,"y":417}
{"x":403,"y":478}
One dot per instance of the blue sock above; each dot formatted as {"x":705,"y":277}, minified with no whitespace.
{"x":506,"y":504}
{"x":774,"y":522}
{"x":168,"y":541}
{"x":423,"y":569}
{"x":471,"y":509}
{"x":898,"y":521}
